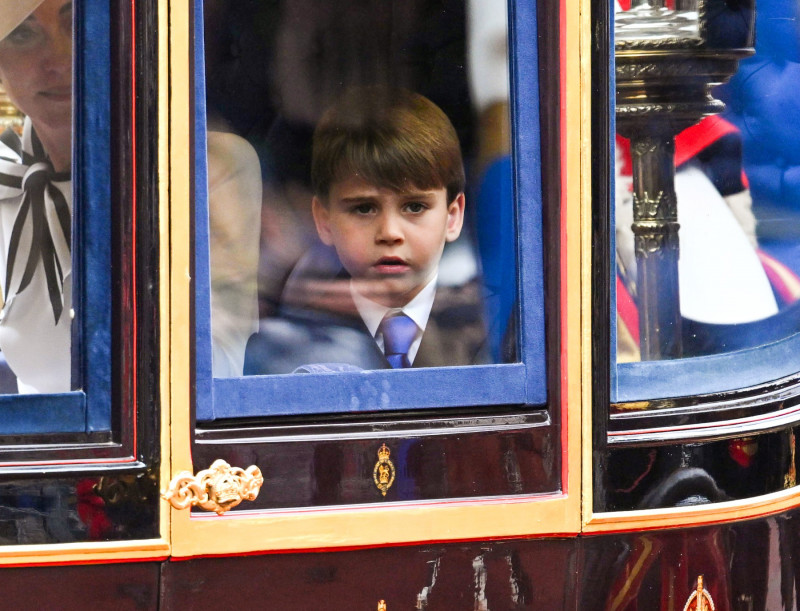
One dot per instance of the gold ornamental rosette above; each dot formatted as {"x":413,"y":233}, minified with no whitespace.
{"x":218,"y":488}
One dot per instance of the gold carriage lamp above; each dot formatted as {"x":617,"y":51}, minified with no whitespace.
{"x":667,"y":61}
{"x":218,"y":488}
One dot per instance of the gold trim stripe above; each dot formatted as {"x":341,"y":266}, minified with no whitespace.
{"x":83,"y":553}
{"x":712,"y":513}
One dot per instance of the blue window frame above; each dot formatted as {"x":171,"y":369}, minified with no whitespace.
{"x":87,"y":408}
{"x":519,"y":383}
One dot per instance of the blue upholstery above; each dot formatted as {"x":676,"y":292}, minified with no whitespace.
{"x":497,"y":249}
{"x":763,"y":102}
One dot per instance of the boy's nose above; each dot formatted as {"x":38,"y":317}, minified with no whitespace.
{"x":389,"y":230}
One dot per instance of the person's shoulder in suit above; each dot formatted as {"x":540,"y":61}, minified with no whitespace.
{"x":456,"y":331}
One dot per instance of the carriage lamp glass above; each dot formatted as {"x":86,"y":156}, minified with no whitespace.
{"x":667,"y":61}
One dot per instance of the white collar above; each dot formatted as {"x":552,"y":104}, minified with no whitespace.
{"x":418,"y":309}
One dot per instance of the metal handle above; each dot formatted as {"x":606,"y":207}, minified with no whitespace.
{"x":218,"y":488}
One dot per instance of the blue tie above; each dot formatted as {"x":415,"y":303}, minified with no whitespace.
{"x":399,"y":332}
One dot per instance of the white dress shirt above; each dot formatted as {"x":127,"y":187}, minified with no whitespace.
{"x":418,"y":310}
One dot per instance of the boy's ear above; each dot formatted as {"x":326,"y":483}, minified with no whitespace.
{"x":455,"y":217}
{"x":322,"y":220}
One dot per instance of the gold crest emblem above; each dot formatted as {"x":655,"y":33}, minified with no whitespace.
{"x":700,"y":600}
{"x":384,"y":472}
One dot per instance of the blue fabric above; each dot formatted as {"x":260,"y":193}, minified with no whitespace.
{"x":763,"y":103}
{"x":497,"y":249}
{"x":398,"y":335}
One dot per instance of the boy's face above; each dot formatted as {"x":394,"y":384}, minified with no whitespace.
{"x":389,"y":242}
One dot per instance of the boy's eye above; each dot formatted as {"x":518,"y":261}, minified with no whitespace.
{"x":363,"y":208}
{"x":415,"y":207}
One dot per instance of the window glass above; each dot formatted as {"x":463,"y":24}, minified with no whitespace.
{"x":706,"y":247}
{"x":359,"y":172}
{"x":36,"y":196}
{"x":40,"y":266}
{"x":71,"y":475}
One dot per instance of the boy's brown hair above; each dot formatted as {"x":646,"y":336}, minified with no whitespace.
{"x":392,"y":138}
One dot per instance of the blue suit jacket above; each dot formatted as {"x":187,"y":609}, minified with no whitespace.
{"x":304,"y":335}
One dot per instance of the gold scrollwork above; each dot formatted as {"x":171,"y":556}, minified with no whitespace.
{"x":790,"y":479}
{"x":384,"y":471}
{"x":127,"y":489}
{"x":647,"y":245}
{"x":644,"y":146}
{"x":674,"y":42}
{"x":218,"y":488}
{"x":382,"y":605}
{"x":650,"y":207}
{"x":700,"y":600}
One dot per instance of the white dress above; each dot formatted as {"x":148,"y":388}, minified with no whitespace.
{"x":36,"y":346}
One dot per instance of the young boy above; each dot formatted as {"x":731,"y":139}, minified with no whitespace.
{"x":388,"y":181}
{"x":389,"y":194}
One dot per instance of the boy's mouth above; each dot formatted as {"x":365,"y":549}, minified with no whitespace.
{"x":391,"y":265}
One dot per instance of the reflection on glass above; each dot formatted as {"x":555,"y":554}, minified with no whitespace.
{"x":36,"y":196}
{"x":738,"y":266}
{"x":653,"y":20}
{"x":386,"y":217}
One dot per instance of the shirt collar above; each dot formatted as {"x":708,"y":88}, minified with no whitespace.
{"x":418,"y":309}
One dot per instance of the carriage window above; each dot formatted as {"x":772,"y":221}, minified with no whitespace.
{"x":707,"y":282}
{"x":47,"y":311}
{"x":357,"y":196}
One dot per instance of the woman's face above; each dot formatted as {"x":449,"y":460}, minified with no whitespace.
{"x":36,"y":65}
